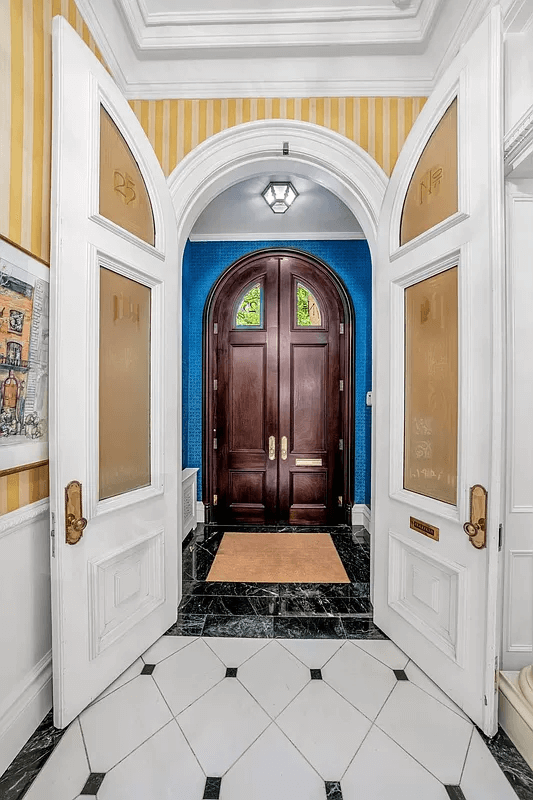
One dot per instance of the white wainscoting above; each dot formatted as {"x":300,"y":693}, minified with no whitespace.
{"x":25,"y":626}
{"x":190,"y":504}
{"x":361,"y":515}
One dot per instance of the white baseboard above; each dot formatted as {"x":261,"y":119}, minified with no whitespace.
{"x":200,"y":511}
{"x":24,"y":709}
{"x":516,"y":715}
{"x":361,"y":515}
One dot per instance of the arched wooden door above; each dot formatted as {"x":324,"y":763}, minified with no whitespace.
{"x":278,"y":380}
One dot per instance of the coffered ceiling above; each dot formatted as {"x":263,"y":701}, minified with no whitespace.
{"x":245,"y":48}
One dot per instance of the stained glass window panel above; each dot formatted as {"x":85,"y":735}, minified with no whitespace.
{"x":307,"y":309}
{"x":250,"y":307}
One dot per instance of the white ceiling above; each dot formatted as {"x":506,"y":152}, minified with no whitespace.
{"x":286,"y":48}
{"x":240,"y":213}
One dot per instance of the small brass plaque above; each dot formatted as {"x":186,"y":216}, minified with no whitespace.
{"x":425,"y":528}
{"x":308,"y":462}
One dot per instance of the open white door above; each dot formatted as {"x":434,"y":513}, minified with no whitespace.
{"x":438,"y":382}
{"x":114,"y":388}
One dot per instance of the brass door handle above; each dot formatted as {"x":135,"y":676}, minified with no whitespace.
{"x":476,"y":527}
{"x":272,"y":447}
{"x":75,"y":523}
{"x":284,"y":448}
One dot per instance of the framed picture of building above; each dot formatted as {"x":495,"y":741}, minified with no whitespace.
{"x":24,"y":301}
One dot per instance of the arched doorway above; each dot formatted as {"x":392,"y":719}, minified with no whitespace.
{"x":278,"y":389}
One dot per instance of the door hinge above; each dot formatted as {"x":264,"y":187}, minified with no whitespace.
{"x":341,"y":327}
{"x":215,"y":327}
{"x":500,"y":536}
{"x":341,"y":444}
{"x":53,"y":534}
{"x":496,"y":672}
{"x":341,"y":386}
{"x":215,"y":384}
{"x":215,"y":444}
{"x":215,"y":499}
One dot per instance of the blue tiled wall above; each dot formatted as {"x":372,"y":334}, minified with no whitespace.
{"x":203,"y":262}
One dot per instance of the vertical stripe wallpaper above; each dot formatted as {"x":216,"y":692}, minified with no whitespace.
{"x":378,"y":124}
{"x":174,"y":127}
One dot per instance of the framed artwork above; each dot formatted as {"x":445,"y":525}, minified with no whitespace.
{"x":24,"y":312}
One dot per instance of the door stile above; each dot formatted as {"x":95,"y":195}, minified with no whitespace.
{"x":272,"y":325}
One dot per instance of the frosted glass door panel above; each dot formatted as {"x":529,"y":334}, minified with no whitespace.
{"x":124,"y":384}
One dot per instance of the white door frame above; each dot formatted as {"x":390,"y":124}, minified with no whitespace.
{"x":255,"y":148}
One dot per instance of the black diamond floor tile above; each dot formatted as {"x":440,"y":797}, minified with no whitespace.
{"x":94,"y":781}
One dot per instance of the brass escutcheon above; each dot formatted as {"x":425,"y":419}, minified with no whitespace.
{"x":284,"y":448}
{"x":476,"y":528}
{"x":272,"y":447}
{"x":75,"y":523}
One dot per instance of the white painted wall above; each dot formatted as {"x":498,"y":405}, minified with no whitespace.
{"x":517,"y":644}
{"x":25,"y":626}
{"x":518,"y":52}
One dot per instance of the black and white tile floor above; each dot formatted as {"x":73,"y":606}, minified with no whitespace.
{"x":270,"y":691}
{"x":256,"y":719}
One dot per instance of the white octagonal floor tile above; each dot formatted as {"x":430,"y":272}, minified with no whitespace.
{"x":166,"y":646}
{"x":360,"y":679}
{"x":384,"y":650}
{"x":65,"y":772}
{"x":383,"y":771}
{"x":127,"y":676}
{"x":221,"y":725}
{"x":420,"y":679}
{"x":314,"y":653}
{"x":274,"y":677}
{"x":234,"y":652}
{"x":163,"y":768}
{"x":188,"y":674}
{"x":272,"y":769}
{"x":482,"y":778}
{"x":326,"y":729}
{"x":430,"y":732}
{"x":119,"y":723}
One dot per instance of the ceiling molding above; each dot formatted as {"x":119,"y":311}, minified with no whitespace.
{"x":518,"y":143}
{"x":109,"y":53}
{"x":168,"y":90}
{"x":475,"y":11}
{"x":342,"y":29}
{"x":271,"y":237}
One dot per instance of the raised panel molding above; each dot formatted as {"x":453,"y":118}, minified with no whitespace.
{"x":520,"y":601}
{"x":429,"y":593}
{"x":124,"y":587}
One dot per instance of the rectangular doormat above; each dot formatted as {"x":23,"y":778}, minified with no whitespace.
{"x":277,"y":558}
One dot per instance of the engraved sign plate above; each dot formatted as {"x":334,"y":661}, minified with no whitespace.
{"x":308,"y":462}
{"x":425,"y":528}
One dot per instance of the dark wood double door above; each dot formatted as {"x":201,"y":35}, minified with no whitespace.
{"x":277,"y":432}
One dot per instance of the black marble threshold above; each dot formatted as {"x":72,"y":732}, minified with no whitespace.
{"x":269,"y":627}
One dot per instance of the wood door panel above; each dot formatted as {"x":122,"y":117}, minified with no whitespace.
{"x":247,"y":371}
{"x":308,"y":398}
{"x":308,"y":497}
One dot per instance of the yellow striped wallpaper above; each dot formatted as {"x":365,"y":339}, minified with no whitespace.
{"x":22,"y":486}
{"x":378,"y":124}
{"x":25,"y":118}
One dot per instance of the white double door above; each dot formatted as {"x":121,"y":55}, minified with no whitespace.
{"x":115,"y":288}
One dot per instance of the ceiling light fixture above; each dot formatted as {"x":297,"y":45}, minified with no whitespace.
{"x":280,"y":195}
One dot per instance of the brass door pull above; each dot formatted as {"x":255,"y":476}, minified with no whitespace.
{"x":272,"y":447}
{"x":476,"y":528}
{"x":284,"y":448}
{"x":75,"y":523}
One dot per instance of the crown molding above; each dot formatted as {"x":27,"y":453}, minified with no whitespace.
{"x":341,"y":29}
{"x":276,"y":237}
{"x":475,"y":11}
{"x":192,"y":90}
{"x":109,"y":53}
{"x":518,"y":143}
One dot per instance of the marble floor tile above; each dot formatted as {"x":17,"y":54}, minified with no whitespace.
{"x":385,"y":651}
{"x":381,"y":770}
{"x":273,"y":677}
{"x":162,"y":768}
{"x":308,"y":628}
{"x":359,"y":678}
{"x":190,"y":625}
{"x":221,"y":725}
{"x":123,"y":720}
{"x":420,"y":679}
{"x":166,"y":646}
{"x":30,"y":760}
{"x":127,"y":676}
{"x":272,"y":769}
{"x":415,"y":720}
{"x":229,"y":606}
{"x":66,"y":771}
{"x":314,"y":653}
{"x":234,"y":652}
{"x":250,"y":627}
{"x":482,"y":778}
{"x":188,"y":674}
{"x":511,"y":762}
{"x":355,"y":628}
{"x":325,"y":728}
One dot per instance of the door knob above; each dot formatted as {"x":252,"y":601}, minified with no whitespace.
{"x":476,"y":528}
{"x":75,"y":523}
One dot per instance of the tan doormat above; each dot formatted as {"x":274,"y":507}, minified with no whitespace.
{"x":277,"y":558}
